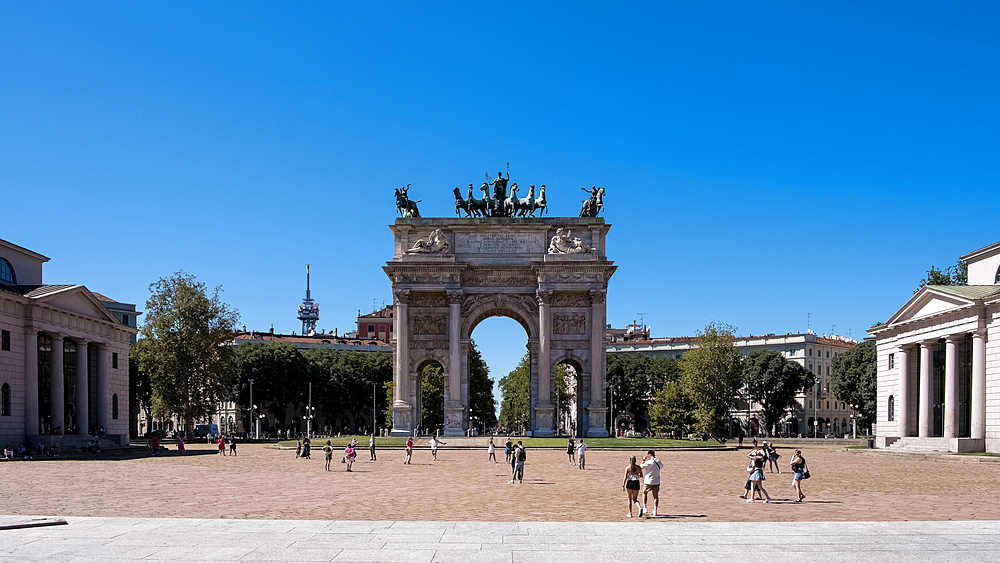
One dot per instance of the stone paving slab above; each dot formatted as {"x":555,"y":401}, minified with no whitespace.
{"x":188,"y":539}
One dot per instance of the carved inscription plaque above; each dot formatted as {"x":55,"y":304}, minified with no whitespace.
{"x":499,"y":243}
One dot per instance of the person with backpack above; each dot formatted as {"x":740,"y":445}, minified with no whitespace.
{"x":519,"y":457}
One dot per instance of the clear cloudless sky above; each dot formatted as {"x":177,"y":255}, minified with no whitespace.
{"x":763,"y":161}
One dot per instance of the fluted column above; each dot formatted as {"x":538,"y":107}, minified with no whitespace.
{"x":951,"y":387}
{"x":57,"y":390}
{"x":82,"y":393}
{"x":544,"y":345}
{"x":402,"y":410}
{"x":979,"y":385}
{"x":903,"y":400}
{"x":454,"y":349}
{"x":30,"y":381}
{"x":103,"y":399}
{"x":925,"y":414}
{"x":596,"y":412}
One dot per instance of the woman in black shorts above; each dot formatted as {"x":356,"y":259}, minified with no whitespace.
{"x":631,"y":485}
{"x":571,"y":451}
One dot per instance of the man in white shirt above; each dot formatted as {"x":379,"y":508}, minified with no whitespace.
{"x":581,"y":454}
{"x":651,"y":474}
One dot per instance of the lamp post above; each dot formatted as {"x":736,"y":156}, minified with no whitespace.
{"x":854,"y":420}
{"x":816,"y":409}
{"x":252,"y":406}
{"x":309,"y":412}
{"x":374,"y":412}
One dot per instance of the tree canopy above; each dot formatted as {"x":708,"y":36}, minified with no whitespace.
{"x":516,"y":395}
{"x":774,"y":382}
{"x":672,"y":411}
{"x":636,"y":379}
{"x":482,"y":404}
{"x":855,"y":380}
{"x":184,"y":348}
{"x":953,"y":275}
{"x":280,"y":376}
{"x":712,"y":373}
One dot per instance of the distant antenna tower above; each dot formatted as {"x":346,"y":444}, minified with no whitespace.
{"x":374,"y":301}
{"x":833,"y":330}
{"x":308,"y":310}
{"x":808,"y":320}
{"x":641,"y":321}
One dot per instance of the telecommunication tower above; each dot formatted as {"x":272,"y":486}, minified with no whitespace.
{"x":308,"y":310}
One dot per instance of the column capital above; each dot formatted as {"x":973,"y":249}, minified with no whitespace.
{"x":454,"y":296}
{"x":402,"y":296}
{"x":928,"y":343}
{"x":597,"y":296}
{"x":953,"y":338}
{"x":544,"y":296}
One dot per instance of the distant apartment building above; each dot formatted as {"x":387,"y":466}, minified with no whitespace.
{"x":815,"y":410}
{"x":376,"y":325}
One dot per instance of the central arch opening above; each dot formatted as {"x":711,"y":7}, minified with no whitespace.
{"x":501,"y":342}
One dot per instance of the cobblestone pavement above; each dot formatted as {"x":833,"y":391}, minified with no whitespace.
{"x":188,"y":539}
{"x":697,"y":486}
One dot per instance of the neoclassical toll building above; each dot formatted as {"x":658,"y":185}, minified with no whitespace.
{"x":939,"y":365}
{"x":63,"y":357}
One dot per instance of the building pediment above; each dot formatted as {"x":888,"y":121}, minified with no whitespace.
{"x":79,"y":300}
{"x":930,"y":301}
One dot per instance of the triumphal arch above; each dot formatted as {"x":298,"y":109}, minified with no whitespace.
{"x":548,"y":274}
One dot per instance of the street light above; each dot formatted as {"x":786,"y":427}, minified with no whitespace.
{"x":854,"y":420}
{"x":252,"y":407}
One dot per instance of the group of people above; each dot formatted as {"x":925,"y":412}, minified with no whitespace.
{"x":222,"y":445}
{"x":577,"y":450}
{"x":760,"y":457}
{"x":644,"y":476}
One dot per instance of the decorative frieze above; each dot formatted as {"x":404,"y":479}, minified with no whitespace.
{"x":428,"y":344}
{"x":569,"y":323}
{"x":499,"y":277}
{"x":571,"y":344}
{"x":424,"y":299}
{"x":570,"y":300}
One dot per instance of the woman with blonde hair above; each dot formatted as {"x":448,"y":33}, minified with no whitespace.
{"x":631,"y":485}
{"x":799,"y":470}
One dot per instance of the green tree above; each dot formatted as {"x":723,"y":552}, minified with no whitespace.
{"x":140,"y":391}
{"x":515,"y":389}
{"x":774,"y":382}
{"x":186,"y":348}
{"x":635,"y":379}
{"x":712,"y":373}
{"x":279,"y":373}
{"x":954,"y":275}
{"x":672,"y":410}
{"x":565,"y":391}
{"x":432,"y":398}
{"x":854,"y":379}
{"x":482,"y":405}
{"x":344,"y":383}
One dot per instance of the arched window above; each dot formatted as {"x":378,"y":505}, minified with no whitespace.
{"x":114,"y":406}
{"x":891,"y":408}
{"x":5,"y":400}
{"x":7,"y":272}
{"x":997,"y":278}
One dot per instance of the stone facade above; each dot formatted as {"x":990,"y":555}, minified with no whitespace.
{"x":450,"y":274}
{"x":66,"y":369}
{"x":939,"y":364}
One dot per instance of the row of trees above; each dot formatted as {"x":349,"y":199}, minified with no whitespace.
{"x":515,"y":388}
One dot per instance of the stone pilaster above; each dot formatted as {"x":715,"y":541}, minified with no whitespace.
{"x":402,"y":409}
{"x":925,"y":414}
{"x":543,"y":405}
{"x":902,"y":405}
{"x":951,"y":387}
{"x":596,"y":411}
{"x":979,"y":385}
{"x":57,"y":389}
{"x":31,"y":381}
{"x":82,"y":393}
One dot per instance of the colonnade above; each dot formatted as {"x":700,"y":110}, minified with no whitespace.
{"x":925,"y":401}
{"x":57,"y":398}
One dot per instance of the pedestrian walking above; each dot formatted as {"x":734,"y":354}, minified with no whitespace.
{"x":631,"y":484}
{"x":757,"y":480}
{"x":772,"y":456}
{"x":306,"y":446}
{"x":520,"y":455}
{"x":350,"y":454}
{"x":298,"y":449}
{"x":434,"y":447}
{"x":328,"y":451}
{"x":651,"y":479}
{"x":799,"y":472}
{"x":508,"y":447}
{"x":232,"y":445}
{"x":180,"y":445}
{"x":571,"y":451}
{"x":492,"y":450}
{"x":581,"y":454}
{"x":409,"y":451}
{"x":222,"y":446}
{"x":371,"y":447}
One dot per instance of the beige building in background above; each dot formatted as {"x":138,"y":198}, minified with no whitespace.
{"x":63,"y":358}
{"x":939,"y":365}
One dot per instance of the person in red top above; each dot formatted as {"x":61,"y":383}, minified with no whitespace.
{"x":350,"y":454}
{"x":222,"y":446}
{"x":409,"y":451}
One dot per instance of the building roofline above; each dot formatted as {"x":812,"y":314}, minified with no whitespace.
{"x":31,"y":253}
{"x":983,"y":250}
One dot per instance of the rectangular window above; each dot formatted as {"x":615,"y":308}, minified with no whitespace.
{"x":810,"y":403}
{"x":125,"y":320}
{"x":371,"y":330}
{"x":811,"y":368}
{"x":827,"y":353}
{"x":114,"y":360}
{"x":835,"y":405}
{"x":828,"y":405}
{"x":5,"y":340}
{"x":828,"y":370}
{"x":810,"y":351}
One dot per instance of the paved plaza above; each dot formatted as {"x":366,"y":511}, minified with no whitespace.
{"x":186,"y":539}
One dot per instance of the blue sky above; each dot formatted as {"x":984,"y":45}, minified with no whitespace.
{"x":763,"y":161}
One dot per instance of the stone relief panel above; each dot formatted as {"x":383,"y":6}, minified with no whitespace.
{"x":427,"y":300}
{"x":427,"y":276}
{"x":401,"y":419}
{"x":571,"y":300}
{"x":435,"y":243}
{"x":428,"y":344}
{"x":499,"y":243}
{"x":544,"y":420}
{"x":430,"y":324}
{"x":499,"y":277}
{"x":571,"y":277}
{"x":572,"y":344}
{"x":453,"y":419}
{"x":569,"y":323}
{"x":523,"y":302}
